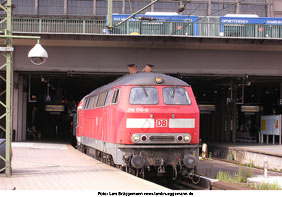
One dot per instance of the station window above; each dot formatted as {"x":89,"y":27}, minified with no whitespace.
{"x":144,"y":96}
{"x":24,"y":7}
{"x":176,"y":96}
{"x":115,"y":97}
{"x":51,"y":7}
{"x":84,"y":8}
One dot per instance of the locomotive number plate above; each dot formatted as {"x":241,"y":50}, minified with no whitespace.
{"x":161,"y":122}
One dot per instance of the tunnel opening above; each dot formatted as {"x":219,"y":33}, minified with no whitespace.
{"x":51,"y":100}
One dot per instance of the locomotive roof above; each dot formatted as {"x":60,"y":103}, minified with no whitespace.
{"x":141,"y":79}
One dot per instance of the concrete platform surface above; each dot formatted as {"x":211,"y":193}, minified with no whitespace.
{"x":47,"y":166}
{"x":275,"y":150}
{"x":255,"y":154}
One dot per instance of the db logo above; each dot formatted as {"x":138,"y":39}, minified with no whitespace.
{"x":161,"y":123}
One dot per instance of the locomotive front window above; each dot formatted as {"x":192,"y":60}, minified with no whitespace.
{"x":144,"y":96}
{"x":176,"y":96}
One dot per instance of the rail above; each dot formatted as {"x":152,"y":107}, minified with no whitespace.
{"x":204,"y":27}
{"x":207,"y":184}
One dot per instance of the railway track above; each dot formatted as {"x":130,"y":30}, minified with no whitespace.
{"x":204,"y":184}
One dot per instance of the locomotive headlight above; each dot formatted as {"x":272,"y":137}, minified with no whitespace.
{"x":187,"y":138}
{"x":135,"y":138}
{"x":159,"y":79}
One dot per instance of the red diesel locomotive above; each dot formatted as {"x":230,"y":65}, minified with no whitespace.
{"x":145,"y":123}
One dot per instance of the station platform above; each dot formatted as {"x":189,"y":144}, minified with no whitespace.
{"x":249,"y":153}
{"x":54,"y":166}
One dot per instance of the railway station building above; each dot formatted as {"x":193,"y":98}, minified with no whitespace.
{"x":234,"y":68}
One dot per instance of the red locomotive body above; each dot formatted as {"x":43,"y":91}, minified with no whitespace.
{"x":142,"y":121}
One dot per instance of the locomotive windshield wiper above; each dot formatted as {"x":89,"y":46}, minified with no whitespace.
{"x":145,"y":91}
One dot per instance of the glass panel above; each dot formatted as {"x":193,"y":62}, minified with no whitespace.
{"x":133,"y":6}
{"x":115,"y":97}
{"x":94,"y":102}
{"x":117,"y":7}
{"x":24,"y":7}
{"x":51,"y":7}
{"x":101,"y":100}
{"x":101,"y":7}
{"x":108,"y":97}
{"x":221,"y":9}
{"x":259,"y":10}
{"x":166,"y":6}
{"x":176,"y":96}
{"x":85,"y":106}
{"x":84,"y":8}
{"x":144,"y":95}
{"x":196,"y":9}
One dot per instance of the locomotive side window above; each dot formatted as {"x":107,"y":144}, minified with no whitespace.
{"x":176,"y":96}
{"x":144,"y":96}
{"x":115,"y":97}
{"x":93,"y":102}
{"x":109,"y":94}
{"x":101,"y":100}
{"x":85,"y":106}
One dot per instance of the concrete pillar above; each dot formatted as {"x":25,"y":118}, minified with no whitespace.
{"x":237,"y":7}
{"x":270,"y":10}
{"x":24,"y":114}
{"x":15,"y":106}
{"x":94,"y":7}
{"x":123,"y":6}
{"x":65,"y":7}
{"x":35,"y":6}
{"x":209,"y":8}
{"x":20,"y":111}
{"x":152,"y":7}
{"x":234,"y":115}
{"x":19,"y":108}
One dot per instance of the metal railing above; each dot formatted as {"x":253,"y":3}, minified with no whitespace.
{"x":204,"y":27}
{"x":58,"y":26}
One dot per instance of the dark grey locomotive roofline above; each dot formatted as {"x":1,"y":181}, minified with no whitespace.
{"x":142,"y":79}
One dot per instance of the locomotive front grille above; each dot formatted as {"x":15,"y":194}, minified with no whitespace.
{"x":162,"y":138}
